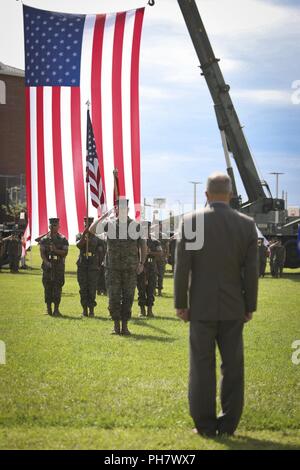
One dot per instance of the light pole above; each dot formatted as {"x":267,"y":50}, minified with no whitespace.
{"x":180,"y":207}
{"x":195,"y":183}
{"x":275,"y":173}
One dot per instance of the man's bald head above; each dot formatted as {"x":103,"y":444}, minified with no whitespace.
{"x":219,"y":188}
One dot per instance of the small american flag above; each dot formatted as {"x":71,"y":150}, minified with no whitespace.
{"x":26,"y":238}
{"x":93,"y":175}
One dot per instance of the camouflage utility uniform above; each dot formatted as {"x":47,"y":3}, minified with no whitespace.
{"x":88,"y":271}
{"x":2,"y":250}
{"x":146,"y":281}
{"x":14,"y":249}
{"x":161,"y":264}
{"x":101,"y":282}
{"x":263,"y":254}
{"x":279,"y":260}
{"x":121,"y":262}
{"x":54,"y":275}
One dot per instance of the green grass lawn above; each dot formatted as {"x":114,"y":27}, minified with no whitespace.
{"x":68,"y":383}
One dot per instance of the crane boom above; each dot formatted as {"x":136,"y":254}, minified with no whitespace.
{"x":227,"y":118}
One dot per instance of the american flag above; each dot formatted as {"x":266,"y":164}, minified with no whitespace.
{"x":27,"y":237}
{"x":93,"y":175}
{"x":69,"y":60}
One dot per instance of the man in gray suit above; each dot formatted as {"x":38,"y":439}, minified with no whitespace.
{"x":216,"y":290}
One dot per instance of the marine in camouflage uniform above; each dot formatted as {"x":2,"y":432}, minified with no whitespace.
{"x":172,"y":249}
{"x":14,"y":249}
{"x":91,"y":250}
{"x":146,"y":280}
{"x":262,"y":254}
{"x":53,"y":249}
{"x":101,"y":282}
{"x":2,"y":243}
{"x":279,"y":259}
{"x":161,"y":261}
{"x":124,"y":259}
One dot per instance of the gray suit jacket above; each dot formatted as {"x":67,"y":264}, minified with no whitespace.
{"x":220,"y":281}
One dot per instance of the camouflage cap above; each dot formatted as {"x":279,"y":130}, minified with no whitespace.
{"x":54,"y":221}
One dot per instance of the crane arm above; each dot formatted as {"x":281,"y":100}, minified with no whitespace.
{"x":227,"y":118}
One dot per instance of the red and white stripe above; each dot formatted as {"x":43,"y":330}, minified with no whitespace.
{"x":56,"y":127}
{"x":96,"y":187}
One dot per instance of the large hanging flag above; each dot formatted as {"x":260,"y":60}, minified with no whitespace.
{"x":69,"y":60}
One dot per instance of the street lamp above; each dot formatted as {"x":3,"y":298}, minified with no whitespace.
{"x":195,"y":183}
{"x":275,"y":173}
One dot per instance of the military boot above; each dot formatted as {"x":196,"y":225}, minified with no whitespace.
{"x":125,"y":330}
{"x":56,"y":312}
{"x":49,"y":309}
{"x":143,"y":311}
{"x":92,"y":314}
{"x":85,"y":312}
{"x":116,"y":330}
{"x":149,"y":312}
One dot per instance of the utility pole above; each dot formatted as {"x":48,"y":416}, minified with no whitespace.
{"x":275,"y":173}
{"x":195,"y":183}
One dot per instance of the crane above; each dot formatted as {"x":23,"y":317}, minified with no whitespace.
{"x":269,"y":213}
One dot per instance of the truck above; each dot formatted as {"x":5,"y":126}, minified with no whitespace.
{"x":269,"y":213}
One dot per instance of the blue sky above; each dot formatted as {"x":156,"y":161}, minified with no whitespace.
{"x":258,"y":42}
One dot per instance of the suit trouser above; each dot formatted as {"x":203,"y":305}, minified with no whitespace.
{"x":228,"y":336}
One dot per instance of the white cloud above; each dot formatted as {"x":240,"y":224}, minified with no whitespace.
{"x":228,"y":16}
{"x":174,"y":60}
{"x":150,"y":93}
{"x":264,"y":96}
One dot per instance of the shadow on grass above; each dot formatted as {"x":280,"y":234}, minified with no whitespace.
{"x":160,"y":339}
{"x":250,"y":443}
{"x":142,"y":322}
{"x":67,"y":317}
{"x":164,"y":296}
{"x":79,"y":317}
{"x":292,"y":277}
{"x":167,"y":318}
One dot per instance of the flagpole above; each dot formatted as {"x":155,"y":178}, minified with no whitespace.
{"x":116,"y":185}
{"x":87,"y":187}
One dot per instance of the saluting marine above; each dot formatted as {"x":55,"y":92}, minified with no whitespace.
{"x":53,"y":249}
{"x":92,"y":250}
{"x":125,"y":257}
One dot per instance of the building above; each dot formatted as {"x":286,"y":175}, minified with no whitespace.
{"x":12,"y":136}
